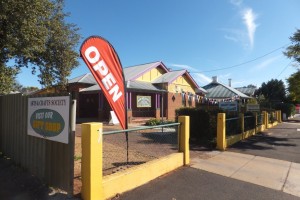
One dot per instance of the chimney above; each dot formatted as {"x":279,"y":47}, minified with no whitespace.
{"x":229,"y":82}
{"x":214,"y":79}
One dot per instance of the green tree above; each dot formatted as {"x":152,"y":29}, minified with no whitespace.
{"x":7,"y":78}
{"x":293,"y":52}
{"x":294,"y":86}
{"x":34,"y":34}
{"x":273,"y":91}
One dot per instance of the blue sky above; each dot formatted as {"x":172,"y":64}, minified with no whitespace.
{"x":201,"y":36}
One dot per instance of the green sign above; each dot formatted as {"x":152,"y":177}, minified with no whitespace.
{"x":47,"y":122}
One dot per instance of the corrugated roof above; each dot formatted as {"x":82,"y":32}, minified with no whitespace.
{"x":201,"y":90}
{"x":86,"y":78}
{"x":169,"y":77}
{"x":134,"y":72}
{"x":219,"y":90}
{"x":247,"y":90}
{"x":134,"y":85}
{"x":141,"y":85}
{"x":92,"y":88}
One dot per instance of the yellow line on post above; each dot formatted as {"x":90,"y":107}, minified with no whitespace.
{"x":91,"y":166}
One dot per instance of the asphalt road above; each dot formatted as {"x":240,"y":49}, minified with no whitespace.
{"x":280,"y":142}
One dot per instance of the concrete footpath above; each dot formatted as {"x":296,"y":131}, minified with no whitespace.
{"x":266,"y":166}
{"x":271,"y":173}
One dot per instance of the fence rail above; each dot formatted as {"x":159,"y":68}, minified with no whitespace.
{"x":144,"y":144}
{"x":234,"y":125}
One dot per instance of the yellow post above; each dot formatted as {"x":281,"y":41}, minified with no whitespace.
{"x":266,"y":119}
{"x":91,"y":166}
{"x":221,"y":131}
{"x":279,"y":116}
{"x":255,"y":118}
{"x":265,"y":114}
{"x":184,"y":136}
{"x":242,"y":123}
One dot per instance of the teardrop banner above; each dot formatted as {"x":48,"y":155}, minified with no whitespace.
{"x":103,"y":61}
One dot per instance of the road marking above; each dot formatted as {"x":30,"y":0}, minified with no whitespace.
{"x":298,"y":129}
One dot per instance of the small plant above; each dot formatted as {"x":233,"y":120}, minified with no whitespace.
{"x":76,"y":158}
{"x":152,"y":122}
{"x":155,"y":122}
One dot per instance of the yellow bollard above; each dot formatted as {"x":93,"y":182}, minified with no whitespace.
{"x":242,"y":123}
{"x":279,"y":116}
{"x":221,"y":131}
{"x":91,"y":165}
{"x":184,"y":136}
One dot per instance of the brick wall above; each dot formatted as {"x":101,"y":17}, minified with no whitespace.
{"x":174,"y":102}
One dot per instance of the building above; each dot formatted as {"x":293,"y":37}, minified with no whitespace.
{"x":249,"y":90}
{"x":153,"y":91}
{"x":218,"y":92}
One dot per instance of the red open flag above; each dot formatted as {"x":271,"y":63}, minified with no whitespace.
{"x":103,"y":61}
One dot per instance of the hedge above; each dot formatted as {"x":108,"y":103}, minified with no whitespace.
{"x":203,"y":124}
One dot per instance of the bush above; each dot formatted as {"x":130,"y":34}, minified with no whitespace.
{"x":287,"y":108}
{"x":203,"y":124}
{"x":155,"y":122}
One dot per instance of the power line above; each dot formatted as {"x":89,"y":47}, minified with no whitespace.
{"x":237,"y":65}
{"x":284,"y":69}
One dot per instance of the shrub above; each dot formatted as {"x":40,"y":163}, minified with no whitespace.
{"x":155,"y":122}
{"x":287,"y":108}
{"x":203,"y":124}
{"x":152,"y":122}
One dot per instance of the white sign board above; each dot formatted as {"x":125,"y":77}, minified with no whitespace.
{"x":229,"y":106}
{"x":253,"y":107}
{"x":48,"y":117}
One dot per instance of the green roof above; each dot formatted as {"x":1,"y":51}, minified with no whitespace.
{"x":218,"y":90}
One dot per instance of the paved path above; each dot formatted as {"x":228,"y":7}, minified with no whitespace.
{"x":271,"y":173}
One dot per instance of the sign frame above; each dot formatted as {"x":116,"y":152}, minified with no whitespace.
{"x":253,"y":107}
{"x":49,"y":118}
{"x":143,"y":101}
{"x":229,"y":106}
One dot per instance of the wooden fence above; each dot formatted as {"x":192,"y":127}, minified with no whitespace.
{"x":52,"y":162}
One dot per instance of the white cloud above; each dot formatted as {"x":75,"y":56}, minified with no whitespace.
{"x":236,"y":2}
{"x":232,"y":38}
{"x":181,"y":66}
{"x":201,"y":79}
{"x":249,"y":18}
{"x":265,"y":64}
{"x":245,"y":36}
{"x":236,"y":35}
